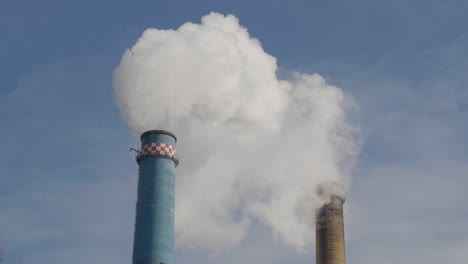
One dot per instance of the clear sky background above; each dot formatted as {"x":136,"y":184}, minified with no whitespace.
{"x":67,"y":181}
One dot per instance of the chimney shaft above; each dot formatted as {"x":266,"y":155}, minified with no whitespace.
{"x":329,"y":232}
{"x":154,"y":223}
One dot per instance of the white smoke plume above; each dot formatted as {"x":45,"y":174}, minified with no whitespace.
{"x":253,"y":148}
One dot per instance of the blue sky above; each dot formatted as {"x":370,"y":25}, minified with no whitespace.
{"x":67,"y":181}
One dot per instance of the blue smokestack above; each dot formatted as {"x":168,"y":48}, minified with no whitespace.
{"x":154,"y":224}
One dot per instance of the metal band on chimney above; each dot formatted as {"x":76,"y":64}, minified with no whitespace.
{"x":158,"y":149}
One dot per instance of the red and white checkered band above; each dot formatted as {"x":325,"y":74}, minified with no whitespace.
{"x":159,"y":149}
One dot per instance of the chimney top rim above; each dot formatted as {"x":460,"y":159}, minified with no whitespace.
{"x":158,"y":131}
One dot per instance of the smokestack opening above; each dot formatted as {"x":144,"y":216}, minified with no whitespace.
{"x":328,"y":190}
{"x":158,"y":132}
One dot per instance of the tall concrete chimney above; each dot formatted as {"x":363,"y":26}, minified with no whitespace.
{"x":329,"y":226}
{"x":154,"y":224}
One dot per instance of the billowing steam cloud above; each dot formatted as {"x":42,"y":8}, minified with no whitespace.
{"x":253,"y":148}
